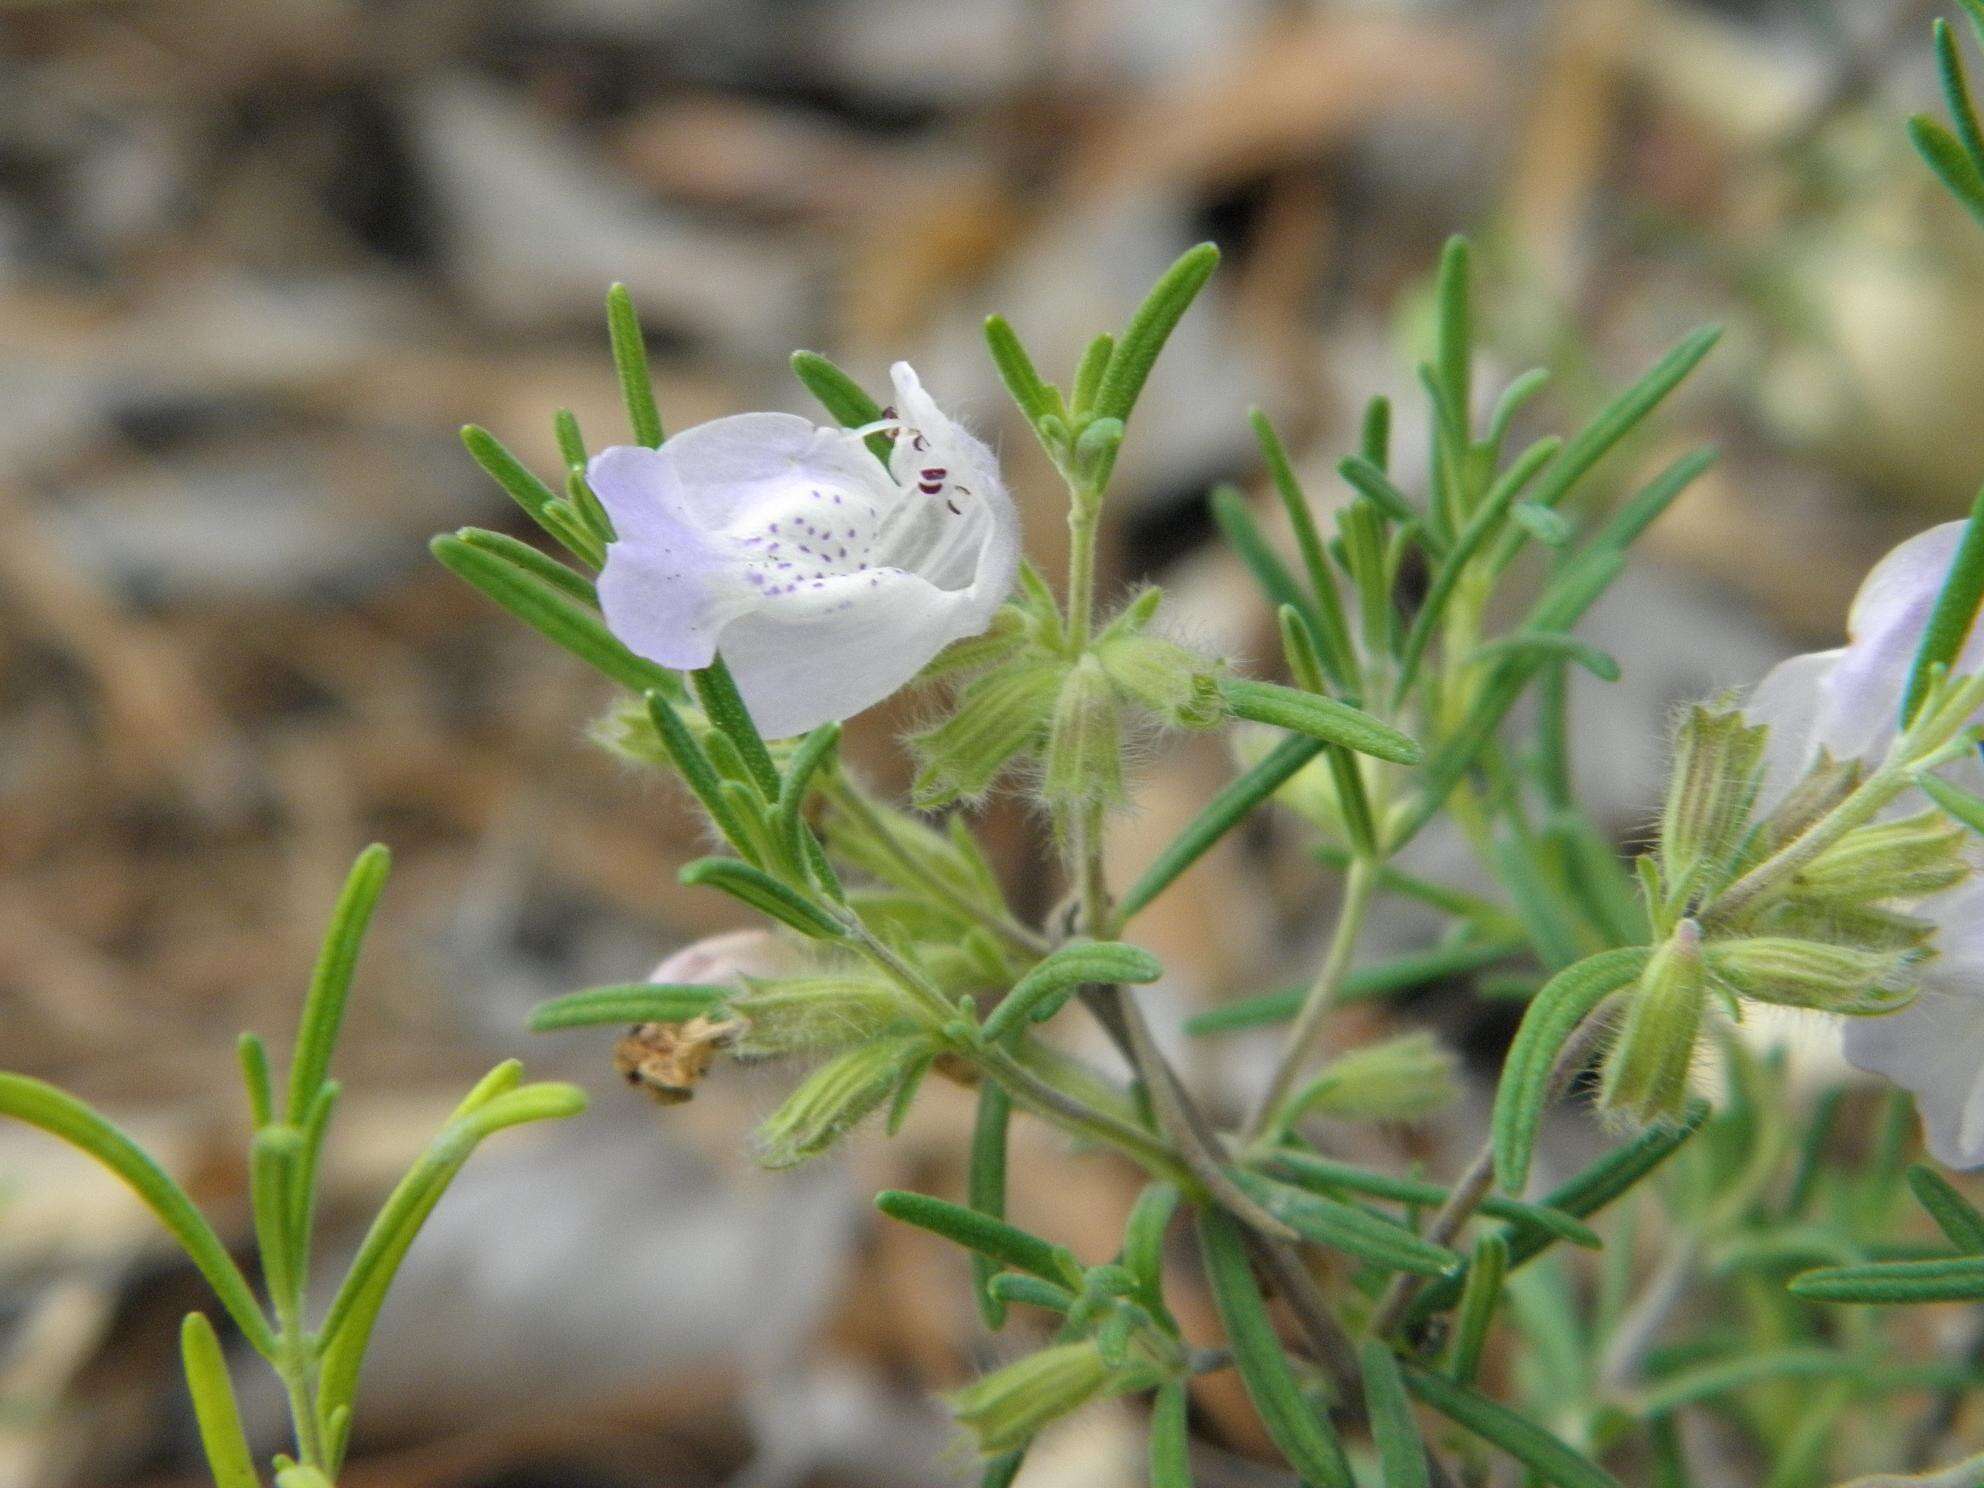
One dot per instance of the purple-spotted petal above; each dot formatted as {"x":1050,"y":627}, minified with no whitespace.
{"x":824,"y":579}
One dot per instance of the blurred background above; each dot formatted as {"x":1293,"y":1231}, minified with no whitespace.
{"x":259,"y":261}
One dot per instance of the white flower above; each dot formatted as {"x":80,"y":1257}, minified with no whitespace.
{"x":1848,"y":701}
{"x":826,"y":581}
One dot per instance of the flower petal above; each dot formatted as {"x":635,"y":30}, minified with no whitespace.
{"x":827,"y":653}
{"x":663,"y":589}
{"x":1932,"y":1048}
{"x":1788,"y":701}
{"x":717,"y":473}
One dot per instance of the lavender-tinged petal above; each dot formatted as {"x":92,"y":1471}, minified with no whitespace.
{"x":1934,"y":1048}
{"x":1788,"y":701}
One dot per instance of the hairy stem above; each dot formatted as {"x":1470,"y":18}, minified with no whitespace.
{"x":848,"y":798}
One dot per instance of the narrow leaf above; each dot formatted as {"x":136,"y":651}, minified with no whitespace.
{"x":1320,"y":718}
{"x":1959,"y":174}
{"x":221,"y":1437}
{"x":1371,"y":482}
{"x":1364,"y":984}
{"x":1565,"y":1001}
{"x":1170,"y":1438}
{"x":1954,"y":1215}
{"x":61,"y":1115}
{"x":497,"y":1102}
{"x":1312,"y":1171}
{"x":994,"y":1238}
{"x":1303,"y":1434}
{"x":1017,"y":371}
{"x":842,"y":397}
{"x":1061,"y":973}
{"x":763,"y":893}
{"x":1148,"y":330}
{"x":1954,"y":615}
{"x":550,"y":611}
{"x":1236,"y":524}
{"x":1617,"y":418}
{"x":1344,"y":1227}
{"x":1895,"y":1283}
{"x":986,"y":1187}
{"x":630,"y":360}
{"x":330,"y":983}
{"x":1536,"y":1449}
{"x":717,"y":690}
{"x":1401,"y":1450}
{"x":632,"y":1002}
{"x":1224,"y":812}
{"x":1478,"y":1296}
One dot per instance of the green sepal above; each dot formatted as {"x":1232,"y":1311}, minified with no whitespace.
{"x":1647,"y":1066}
{"x":1718,"y":767}
{"x":996,"y":717}
{"x":1082,"y":764}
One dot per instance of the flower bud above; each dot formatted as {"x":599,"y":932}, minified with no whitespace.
{"x":1894,"y":860}
{"x":1085,"y":740}
{"x":1179,"y":685}
{"x":789,"y":1015}
{"x":1810,"y":974}
{"x":1646,"y":1070}
{"x":835,"y":1096}
{"x":995,"y":718}
{"x":1870,"y":927}
{"x":1007,"y":1407}
{"x":1400,"y":1079}
{"x":1718,"y":765}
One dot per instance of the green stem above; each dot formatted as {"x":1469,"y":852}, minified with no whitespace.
{"x":294,"y":1366}
{"x":1856,"y":810}
{"x":1084,"y":513}
{"x":1300,"y":1046}
{"x":1037,"y":1094}
{"x":849,"y":799}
